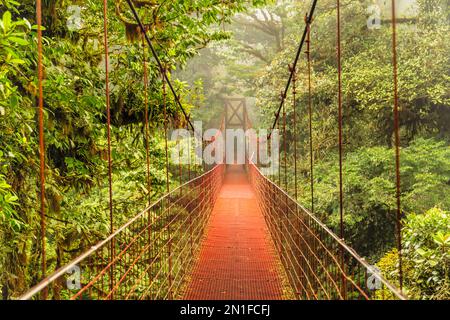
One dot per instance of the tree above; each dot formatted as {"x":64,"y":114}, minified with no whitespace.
{"x":426,"y":256}
{"x":75,"y":119}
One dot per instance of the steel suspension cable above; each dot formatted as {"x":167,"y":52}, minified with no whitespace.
{"x":397,"y":143}
{"x":41,"y":143}
{"x":311,"y":149}
{"x":158,"y":61}
{"x":166,"y":80}
{"x":297,"y":57}
{"x":146,"y":122}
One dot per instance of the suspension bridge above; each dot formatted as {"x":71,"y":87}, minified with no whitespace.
{"x":229,"y":233}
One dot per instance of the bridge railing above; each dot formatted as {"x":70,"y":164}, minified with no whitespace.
{"x":148,"y":257}
{"x":318,"y":264}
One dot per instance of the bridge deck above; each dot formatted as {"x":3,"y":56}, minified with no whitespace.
{"x":237,"y":259}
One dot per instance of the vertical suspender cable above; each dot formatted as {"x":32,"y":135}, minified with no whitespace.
{"x":279,"y":155}
{"x":147,"y":142}
{"x":397,"y":143}
{"x":108,"y":131}
{"x":285,"y":148}
{"x":339,"y":66}
{"x":108,"y":111}
{"x":311,"y":151}
{"x":147,"y":145}
{"x":189,"y":153}
{"x":146,"y":123}
{"x":163,"y":72}
{"x":245,"y":124}
{"x":341,"y":193}
{"x":269,"y":153}
{"x":294,"y":107}
{"x":180,"y":168}
{"x":169,"y":253}
{"x":41,"y":144}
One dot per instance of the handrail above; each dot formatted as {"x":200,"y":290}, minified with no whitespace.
{"x":330,"y":233}
{"x":63,"y":270}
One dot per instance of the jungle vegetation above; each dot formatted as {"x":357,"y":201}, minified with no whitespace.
{"x":213,"y":49}
{"x":369,"y":159}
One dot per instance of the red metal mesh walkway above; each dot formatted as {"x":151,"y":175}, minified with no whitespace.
{"x":237,"y":260}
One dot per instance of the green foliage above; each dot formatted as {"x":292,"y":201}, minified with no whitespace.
{"x":427,"y":247}
{"x":369,"y":190}
{"x":368,"y":132}
{"x":423,"y":50}
{"x":8,"y":200}
{"x":425,"y":255}
{"x":75,"y":121}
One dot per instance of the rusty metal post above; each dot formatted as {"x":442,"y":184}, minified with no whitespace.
{"x":108,"y":115}
{"x":397,"y":144}
{"x":146,"y":122}
{"x":285,"y":144}
{"x":189,"y":154}
{"x":41,"y":145}
{"x":170,"y":257}
{"x":341,"y":193}
{"x":293,"y":70}
{"x":180,"y":170}
{"x":294,"y":107}
{"x":163,"y":71}
{"x":279,"y":155}
{"x":311,"y":150}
